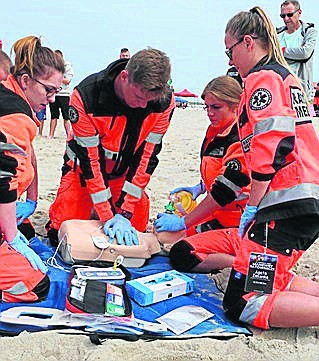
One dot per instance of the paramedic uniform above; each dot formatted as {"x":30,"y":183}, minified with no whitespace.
{"x":278,"y":139}
{"x":112,"y":154}
{"x":225,"y":176}
{"x":19,"y":282}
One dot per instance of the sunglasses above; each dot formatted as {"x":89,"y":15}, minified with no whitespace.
{"x":229,"y":52}
{"x":290,"y":15}
{"x":50,"y":90}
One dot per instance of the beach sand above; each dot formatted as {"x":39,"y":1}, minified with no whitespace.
{"x":179,"y":165}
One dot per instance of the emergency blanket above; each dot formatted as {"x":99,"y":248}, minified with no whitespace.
{"x":205,"y":295}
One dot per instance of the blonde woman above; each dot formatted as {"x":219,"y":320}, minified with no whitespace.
{"x":281,"y":219}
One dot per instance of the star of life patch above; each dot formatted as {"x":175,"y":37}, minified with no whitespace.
{"x":234,"y":164}
{"x":73,"y":114}
{"x":260,"y":99}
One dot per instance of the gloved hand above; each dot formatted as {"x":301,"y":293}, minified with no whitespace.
{"x":20,"y":244}
{"x":121,"y":228}
{"x":169,"y":223}
{"x":246,"y":218}
{"x":194,"y":190}
{"x":25,"y":210}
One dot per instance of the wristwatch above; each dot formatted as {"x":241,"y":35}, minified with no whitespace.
{"x":126,"y":214}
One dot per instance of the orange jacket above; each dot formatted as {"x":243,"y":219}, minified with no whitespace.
{"x":219,"y":153}
{"x":18,"y":126}
{"x":280,"y":142}
{"x":111,"y":140}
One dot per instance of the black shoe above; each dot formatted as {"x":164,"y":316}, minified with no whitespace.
{"x":52,"y":234}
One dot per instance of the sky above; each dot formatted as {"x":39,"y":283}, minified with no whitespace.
{"x":90,"y":33}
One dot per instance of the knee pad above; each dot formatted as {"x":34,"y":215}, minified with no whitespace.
{"x":233,"y":302}
{"x":42,"y":288}
{"x":182,"y":258}
{"x":27,"y":229}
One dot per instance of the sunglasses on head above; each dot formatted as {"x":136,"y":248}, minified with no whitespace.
{"x":290,"y":15}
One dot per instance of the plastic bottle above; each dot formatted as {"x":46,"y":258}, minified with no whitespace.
{"x":180,"y":203}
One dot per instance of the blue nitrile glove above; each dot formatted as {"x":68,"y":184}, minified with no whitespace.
{"x":169,"y":222}
{"x":246,"y":218}
{"x":194,"y":190}
{"x":121,"y":228}
{"x":20,"y":244}
{"x":25,"y":210}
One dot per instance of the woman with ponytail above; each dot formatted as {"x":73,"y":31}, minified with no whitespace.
{"x":281,"y":219}
{"x":35,"y":80}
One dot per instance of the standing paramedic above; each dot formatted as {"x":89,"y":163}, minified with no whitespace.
{"x":35,"y":80}
{"x":281,"y":218}
{"x":119,"y":117}
{"x":298,"y":40}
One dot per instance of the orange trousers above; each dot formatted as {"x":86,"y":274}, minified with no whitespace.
{"x":73,"y":201}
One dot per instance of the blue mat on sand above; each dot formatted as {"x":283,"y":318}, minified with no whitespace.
{"x":205,"y":295}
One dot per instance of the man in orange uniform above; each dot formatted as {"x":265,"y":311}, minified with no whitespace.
{"x":119,"y":117}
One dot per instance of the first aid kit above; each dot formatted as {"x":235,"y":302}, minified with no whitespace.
{"x":99,"y":288}
{"x":159,"y":287}
{"x":84,"y":240}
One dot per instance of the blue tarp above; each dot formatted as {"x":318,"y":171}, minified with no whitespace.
{"x":205,"y":295}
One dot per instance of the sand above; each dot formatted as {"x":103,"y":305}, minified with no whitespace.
{"x":179,"y":165}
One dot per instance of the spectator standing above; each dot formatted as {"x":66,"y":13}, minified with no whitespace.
{"x":62,"y":100}
{"x":298,"y":40}
{"x":125,"y":53}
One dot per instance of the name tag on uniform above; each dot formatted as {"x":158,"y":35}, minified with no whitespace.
{"x":261,"y":273}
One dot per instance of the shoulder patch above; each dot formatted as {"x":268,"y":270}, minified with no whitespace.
{"x":260,"y":99}
{"x":234,"y":164}
{"x":73,"y":114}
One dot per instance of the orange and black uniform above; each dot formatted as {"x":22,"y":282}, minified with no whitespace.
{"x":225,"y":175}
{"x":18,"y":126}
{"x":278,"y":139}
{"x":113,"y":152}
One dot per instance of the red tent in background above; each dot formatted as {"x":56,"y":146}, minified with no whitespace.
{"x":185,"y":93}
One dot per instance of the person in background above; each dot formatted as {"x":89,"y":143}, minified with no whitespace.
{"x":281,"y":218}
{"x":34,"y":81}
{"x":119,"y":117}
{"x":125,"y":53}
{"x":42,"y":116}
{"x":298,"y":40}
{"x":316,"y":99}
{"x":62,"y":101}
{"x":5,"y":65}
{"x":225,"y":182}
{"x":233,"y":73}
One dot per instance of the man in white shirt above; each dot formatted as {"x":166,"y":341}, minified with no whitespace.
{"x":298,"y":40}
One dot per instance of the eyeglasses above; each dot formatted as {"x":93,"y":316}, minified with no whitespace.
{"x":50,"y":90}
{"x":290,"y":15}
{"x":229,"y":52}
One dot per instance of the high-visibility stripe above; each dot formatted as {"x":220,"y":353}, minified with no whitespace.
{"x":299,"y":191}
{"x":4,"y":174}
{"x":12,"y":148}
{"x":222,"y":179}
{"x":17,"y":289}
{"x":92,"y":141}
{"x":132,"y":189}
{"x":71,"y":154}
{"x":109,"y":154}
{"x":281,"y":124}
{"x":252,"y":308}
{"x":101,"y":196}
{"x":155,"y":138}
